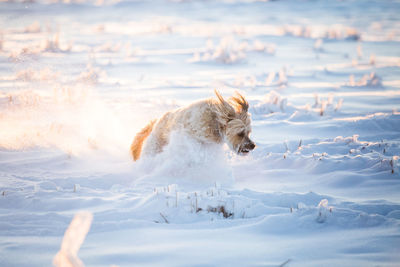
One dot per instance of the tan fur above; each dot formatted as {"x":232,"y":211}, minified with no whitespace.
{"x":136,"y":146}
{"x":208,"y":121}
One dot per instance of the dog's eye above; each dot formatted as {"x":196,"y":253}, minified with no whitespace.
{"x":241,"y":134}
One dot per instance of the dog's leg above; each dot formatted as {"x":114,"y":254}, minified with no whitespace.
{"x":136,"y":146}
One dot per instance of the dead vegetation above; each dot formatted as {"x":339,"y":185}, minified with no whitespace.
{"x":220,"y":210}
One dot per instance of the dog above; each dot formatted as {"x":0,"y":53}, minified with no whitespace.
{"x":208,"y":121}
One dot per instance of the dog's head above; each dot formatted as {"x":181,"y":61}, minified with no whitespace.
{"x":236,"y":121}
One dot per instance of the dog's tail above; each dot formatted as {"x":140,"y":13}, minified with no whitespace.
{"x":136,"y":146}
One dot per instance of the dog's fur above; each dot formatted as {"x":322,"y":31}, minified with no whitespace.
{"x":208,"y":121}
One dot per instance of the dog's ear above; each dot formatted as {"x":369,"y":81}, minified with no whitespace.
{"x":224,"y":108}
{"x":240,"y":103}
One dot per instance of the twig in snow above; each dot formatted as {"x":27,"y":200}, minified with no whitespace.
{"x":286,"y":262}
{"x":323,"y":107}
{"x":197,"y":203}
{"x":392,"y":164}
{"x":165,"y":219}
{"x":339,"y":104}
{"x":286,"y":146}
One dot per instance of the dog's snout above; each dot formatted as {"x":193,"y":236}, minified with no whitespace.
{"x":252,"y":145}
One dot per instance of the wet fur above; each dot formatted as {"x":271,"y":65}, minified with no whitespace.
{"x":213,"y":120}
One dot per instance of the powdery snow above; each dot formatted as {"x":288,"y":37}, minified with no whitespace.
{"x":80,"y":78}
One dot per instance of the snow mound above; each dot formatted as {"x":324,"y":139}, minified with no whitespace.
{"x":230,"y":50}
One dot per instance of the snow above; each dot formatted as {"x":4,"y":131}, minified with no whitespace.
{"x":80,"y":78}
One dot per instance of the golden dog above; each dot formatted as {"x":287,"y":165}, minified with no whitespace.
{"x":208,"y":121}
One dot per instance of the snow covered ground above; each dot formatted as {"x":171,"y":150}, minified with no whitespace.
{"x":79,"y":78}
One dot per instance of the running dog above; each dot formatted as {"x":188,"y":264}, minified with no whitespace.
{"x":212,"y":120}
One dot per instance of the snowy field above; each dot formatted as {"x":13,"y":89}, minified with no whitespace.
{"x":78,"y":79}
